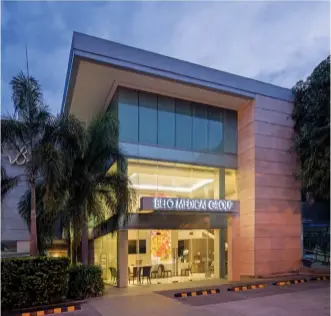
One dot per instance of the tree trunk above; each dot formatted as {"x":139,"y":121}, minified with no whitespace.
{"x":33,"y":221}
{"x":69,"y":244}
{"x":84,"y":248}
{"x":74,"y":247}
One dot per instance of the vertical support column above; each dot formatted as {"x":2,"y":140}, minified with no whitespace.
{"x":233,"y":248}
{"x":217,"y":253}
{"x":222,"y":253}
{"x":174,"y":252}
{"x":222,"y":183}
{"x":122,"y":258}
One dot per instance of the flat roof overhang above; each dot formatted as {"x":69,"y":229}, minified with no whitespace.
{"x":165,"y":220}
{"x":97,"y":67}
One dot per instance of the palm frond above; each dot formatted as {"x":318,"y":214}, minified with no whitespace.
{"x":26,"y":95}
{"x":7,"y":183}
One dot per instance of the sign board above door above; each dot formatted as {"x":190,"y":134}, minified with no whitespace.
{"x":188,"y":205}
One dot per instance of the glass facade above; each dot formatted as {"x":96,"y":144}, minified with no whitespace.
{"x":151,"y":119}
{"x":172,"y":256}
{"x":166,"y":179}
{"x":105,"y":256}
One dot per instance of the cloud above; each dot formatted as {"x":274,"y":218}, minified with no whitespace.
{"x":276,"y":42}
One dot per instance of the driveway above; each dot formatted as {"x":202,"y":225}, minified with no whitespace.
{"x":300,"y":299}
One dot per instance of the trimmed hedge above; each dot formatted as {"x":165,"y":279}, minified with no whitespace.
{"x":85,"y":281}
{"x":33,"y":281}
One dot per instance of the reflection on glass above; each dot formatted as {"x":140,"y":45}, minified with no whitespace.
{"x":200,"y":128}
{"x":215,"y":130}
{"x":105,"y":255}
{"x":154,"y":119}
{"x":166,"y":121}
{"x":128,"y":115}
{"x":183,"y":124}
{"x":147,"y":118}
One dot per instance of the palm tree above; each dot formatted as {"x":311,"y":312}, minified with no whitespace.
{"x":7,"y":183}
{"x":94,"y":192}
{"x":46,"y":139}
{"x":45,"y":219}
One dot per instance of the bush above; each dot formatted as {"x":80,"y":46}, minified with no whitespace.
{"x":85,"y":281}
{"x":31,"y":281}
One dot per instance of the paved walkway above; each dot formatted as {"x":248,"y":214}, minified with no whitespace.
{"x":301,"y":299}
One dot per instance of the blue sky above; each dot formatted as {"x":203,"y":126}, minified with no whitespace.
{"x":276,"y":42}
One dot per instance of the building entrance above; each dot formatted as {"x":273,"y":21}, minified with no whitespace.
{"x":173,"y":256}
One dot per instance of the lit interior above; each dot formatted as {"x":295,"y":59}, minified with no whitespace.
{"x":165,"y":179}
{"x":145,"y":181}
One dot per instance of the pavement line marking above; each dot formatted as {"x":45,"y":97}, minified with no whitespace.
{"x":57,"y":310}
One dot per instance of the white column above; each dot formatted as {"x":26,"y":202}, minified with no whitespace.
{"x":122,"y":258}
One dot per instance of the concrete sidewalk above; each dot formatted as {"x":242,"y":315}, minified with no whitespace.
{"x":197,"y":285}
{"x":294,"y":300}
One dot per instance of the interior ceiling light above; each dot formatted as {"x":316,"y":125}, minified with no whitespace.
{"x":154,"y":187}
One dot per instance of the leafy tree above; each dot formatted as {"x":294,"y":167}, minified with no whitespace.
{"x":47,"y":140}
{"x":7,"y":183}
{"x":311,"y":115}
{"x":93,"y":191}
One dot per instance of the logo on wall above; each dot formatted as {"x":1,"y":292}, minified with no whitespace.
{"x":21,"y":157}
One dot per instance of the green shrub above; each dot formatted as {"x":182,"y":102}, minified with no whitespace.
{"x":85,"y":281}
{"x":31,"y":281}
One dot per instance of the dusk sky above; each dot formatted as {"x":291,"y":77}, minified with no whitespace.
{"x":276,"y":42}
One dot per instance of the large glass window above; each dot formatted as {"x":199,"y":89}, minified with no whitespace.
{"x":230,"y":132}
{"x":231,"y":188}
{"x":172,"y":256}
{"x":156,"y":178}
{"x":128,"y":115}
{"x":183,"y":124}
{"x":147,"y":118}
{"x":105,"y":256}
{"x":166,"y":121}
{"x":200,"y":127}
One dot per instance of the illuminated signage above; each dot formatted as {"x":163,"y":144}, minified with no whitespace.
{"x":182,"y":204}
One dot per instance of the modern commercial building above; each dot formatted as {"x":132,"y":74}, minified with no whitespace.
{"x":208,"y":157}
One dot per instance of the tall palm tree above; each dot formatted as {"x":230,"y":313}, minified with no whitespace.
{"x":45,"y":219}
{"x":7,"y":183}
{"x":46,"y":139}
{"x":93,"y":191}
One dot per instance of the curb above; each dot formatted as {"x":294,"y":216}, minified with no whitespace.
{"x":297,"y":281}
{"x":320,"y":278}
{"x":197,"y":293}
{"x":289,"y":282}
{"x":246,"y":287}
{"x":56,"y":310}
